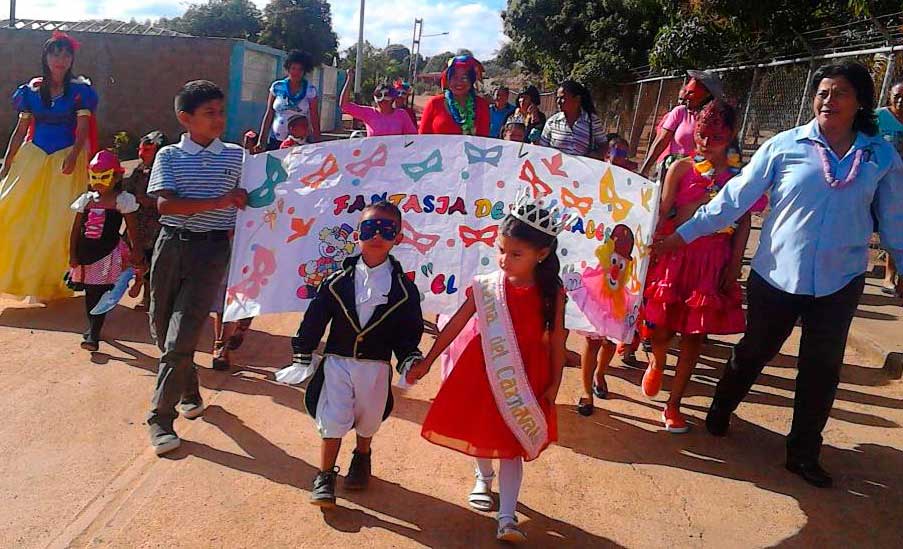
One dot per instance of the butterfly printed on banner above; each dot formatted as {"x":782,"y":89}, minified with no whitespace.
{"x":475,"y":154}
{"x":418,"y":170}
{"x":608,"y":195}
{"x":265,"y":194}
{"x":300,"y":228}
{"x":255,"y":277}
{"x":375,"y":160}
{"x":554,"y":165}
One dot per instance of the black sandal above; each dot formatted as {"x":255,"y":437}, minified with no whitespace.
{"x":601,"y":391}
{"x":585,"y":406}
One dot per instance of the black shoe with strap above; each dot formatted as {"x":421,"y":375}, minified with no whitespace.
{"x":323,"y":493}
{"x":359,"y":472}
{"x":811,"y":472}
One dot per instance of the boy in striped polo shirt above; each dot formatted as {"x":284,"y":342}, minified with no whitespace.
{"x":195,"y":182}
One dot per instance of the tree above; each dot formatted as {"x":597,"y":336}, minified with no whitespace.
{"x":593,"y":42}
{"x":380,"y":66}
{"x":221,"y":18}
{"x":438,"y":62}
{"x":704,"y":32}
{"x":398,"y":52}
{"x":301,"y":25}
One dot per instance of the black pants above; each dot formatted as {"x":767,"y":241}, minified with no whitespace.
{"x":770,"y":319}
{"x":92,"y":297}
{"x":185,"y":278}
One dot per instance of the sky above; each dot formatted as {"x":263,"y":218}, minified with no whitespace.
{"x":472,"y":24}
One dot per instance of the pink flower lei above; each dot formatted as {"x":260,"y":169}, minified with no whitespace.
{"x":826,"y":168}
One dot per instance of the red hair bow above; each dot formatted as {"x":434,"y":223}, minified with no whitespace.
{"x":63,"y":37}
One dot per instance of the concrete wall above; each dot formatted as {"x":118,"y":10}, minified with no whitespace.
{"x":135,"y":76}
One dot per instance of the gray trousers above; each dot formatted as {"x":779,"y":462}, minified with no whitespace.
{"x":186,"y":275}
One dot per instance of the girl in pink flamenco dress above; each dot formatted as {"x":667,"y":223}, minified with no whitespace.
{"x":694,"y":291}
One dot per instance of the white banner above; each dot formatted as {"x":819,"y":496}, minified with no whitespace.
{"x":453,"y":191}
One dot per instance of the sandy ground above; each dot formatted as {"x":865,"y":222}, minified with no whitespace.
{"x":76,"y":469}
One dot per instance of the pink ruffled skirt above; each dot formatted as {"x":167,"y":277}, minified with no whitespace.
{"x":683,"y":290}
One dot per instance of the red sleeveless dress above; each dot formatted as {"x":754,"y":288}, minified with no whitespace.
{"x":464,"y":415}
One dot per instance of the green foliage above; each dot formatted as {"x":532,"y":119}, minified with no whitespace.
{"x":304,"y":25}
{"x":398,"y":53}
{"x":380,"y":66}
{"x":438,"y":62}
{"x":599,"y":41}
{"x":221,"y":18}
{"x":590,"y":41}
{"x":703,"y":32}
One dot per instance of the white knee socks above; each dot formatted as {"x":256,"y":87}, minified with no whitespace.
{"x":511,"y":474}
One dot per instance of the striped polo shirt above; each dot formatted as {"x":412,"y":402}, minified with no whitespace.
{"x":572,"y":139}
{"x":192,"y":171}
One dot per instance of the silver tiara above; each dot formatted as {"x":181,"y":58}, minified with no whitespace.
{"x":543,"y":216}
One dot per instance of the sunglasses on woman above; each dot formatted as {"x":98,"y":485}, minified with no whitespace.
{"x":385,"y":228}
{"x":383,"y":96}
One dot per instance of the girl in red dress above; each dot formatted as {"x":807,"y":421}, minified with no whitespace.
{"x":486,"y":411}
{"x":694,"y":291}
{"x":458,"y":110}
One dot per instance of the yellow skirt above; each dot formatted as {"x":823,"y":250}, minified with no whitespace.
{"x":35,"y":222}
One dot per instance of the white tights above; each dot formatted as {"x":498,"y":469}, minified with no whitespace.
{"x":511,"y":474}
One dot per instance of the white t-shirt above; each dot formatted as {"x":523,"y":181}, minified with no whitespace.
{"x":285,"y":105}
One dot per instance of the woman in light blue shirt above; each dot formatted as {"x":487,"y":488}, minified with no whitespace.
{"x":824,"y":180}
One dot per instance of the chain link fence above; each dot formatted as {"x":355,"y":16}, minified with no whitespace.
{"x":770,"y":97}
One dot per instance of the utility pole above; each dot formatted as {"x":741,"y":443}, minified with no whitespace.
{"x":358,"y":63}
{"x":12,"y":14}
{"x":415,"y":54}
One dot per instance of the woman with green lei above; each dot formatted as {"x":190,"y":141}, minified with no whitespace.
{"x":458,"y":110}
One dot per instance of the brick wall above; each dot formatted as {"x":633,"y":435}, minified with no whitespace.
{"x":136,"y":77}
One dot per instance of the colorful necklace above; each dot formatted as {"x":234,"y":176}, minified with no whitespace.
{"x":707,"y":170}
{"x":465,"y":120}
{"x":826,"y":168}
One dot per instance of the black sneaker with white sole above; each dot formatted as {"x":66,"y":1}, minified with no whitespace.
{"x":163,"y":440}
{"x":323,"y":492}
{"x":192,"y":408}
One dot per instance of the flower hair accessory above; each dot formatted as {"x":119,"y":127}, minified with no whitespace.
{"x":59,"y":36}
{"x":540,"y":213}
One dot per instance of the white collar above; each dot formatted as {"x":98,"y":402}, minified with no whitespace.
{"x":362,"y":267}
{"x":189,"y":146}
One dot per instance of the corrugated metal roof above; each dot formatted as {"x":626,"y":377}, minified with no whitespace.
{"x":95,"y":25}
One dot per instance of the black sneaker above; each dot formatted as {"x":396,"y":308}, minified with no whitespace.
{"x":718,"y":421}
{"x":359,"y":472}
{"x":323,"y":493}
{"x":163,"y":439}
{"x":192,"y":407}
{"x":89,"y":342}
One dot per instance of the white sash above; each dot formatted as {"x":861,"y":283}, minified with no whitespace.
{"x":504,"y":367}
